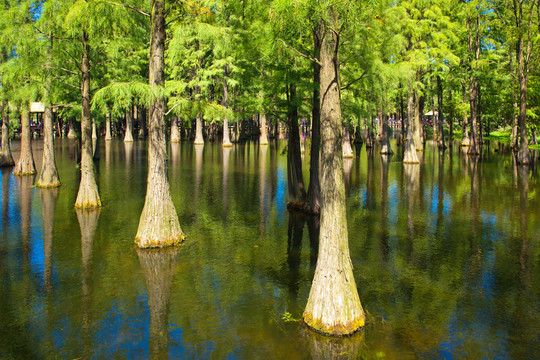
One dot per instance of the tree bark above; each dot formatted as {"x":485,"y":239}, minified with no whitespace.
{"x":128,"y":136}
{"x":94,"y":130}
{"x":175,"y":133}
{"x":523,"y":157}
{"x":71,"y":130}
{"x":49,"y":173}
{"x":158,"y":225}
{"x":333,"y":306}
{"x":6,"y":159}
{"x":25,"y":165}
{"x":410,"y":156}
{"x":418,"y":133}
{"x":88,"y":196}
{"x":465,"y":141}
{"x":314,"y":188}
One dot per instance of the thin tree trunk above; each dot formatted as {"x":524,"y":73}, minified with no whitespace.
{"x":175,"y":133}
{"x":6,"y":159}
{"x":473,"y":92}
{"x":142,"y":123}
{"x":264,"y":131}
{"x":49,"y":173}
{"x":128,"y":136}
{"x":25,"y":165}
{"x":465,"y":141}
{"x":440,"y":121}
{"x":94,"y":130}
{"x":523,"y":157}
{"x":417,"y":123}
{"x":88,"y":196}
{"x":410,"y":156}
{"x":333,"y":306}
{"x":225,"y":102}
{"x":314,"y":188}
{"x":158,"y":225}
{"x":297,"y":192}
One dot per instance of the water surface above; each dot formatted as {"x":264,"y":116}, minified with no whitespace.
{"x":445,"y":255}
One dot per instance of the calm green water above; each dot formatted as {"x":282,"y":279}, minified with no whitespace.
{"x":445,"y":255}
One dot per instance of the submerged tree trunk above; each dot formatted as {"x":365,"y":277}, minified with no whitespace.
{"x":225,"y":103}
{"x":333,"y":306}
{"x":175,"y":133}
{"x":88,"y":196}
{"x":264,"y":131}
{"x":25,"y":165}
{"x":314,"y":188}
{"x":49,"y":173}
{"x":94,"y":130}
{"x":297,"y":191}
{"x":417,"y":123}
{"x":71,"y":130}
{"x":6,"y":159}
{"x":128,"y":136}
{"x":108,"y":127}
{"x":199,"y":139}
{"x":410,"y":156}
{"x":226,"y":134}
{"x":158,"y":225}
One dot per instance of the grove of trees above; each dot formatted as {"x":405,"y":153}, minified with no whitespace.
{"x":208,"y":70}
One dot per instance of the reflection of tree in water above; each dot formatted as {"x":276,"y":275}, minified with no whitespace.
{"x":412,"y":177}
{"x":347,"y":169}
{"x":88,"y":220}
{"x":25,"y":188}
{"x":294,"y":249}
{"x":49,"y":198}
{"x":335,"y":348}
{"x":159,"y":267}
{"x":384,"y":164}
{"x":225,"y":191}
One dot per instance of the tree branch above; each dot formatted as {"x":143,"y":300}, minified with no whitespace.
{"x":354,"y":81}
{"x":300,"y":53}
{"x":131,"y":7}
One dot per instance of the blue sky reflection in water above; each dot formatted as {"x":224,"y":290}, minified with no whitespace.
{"x":445,"y":257}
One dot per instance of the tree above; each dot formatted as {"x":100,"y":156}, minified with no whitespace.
{"x":158,"y":225}
{"x":333,"y":306}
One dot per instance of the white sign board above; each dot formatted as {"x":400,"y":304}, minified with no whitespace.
{"x":37,"y":107}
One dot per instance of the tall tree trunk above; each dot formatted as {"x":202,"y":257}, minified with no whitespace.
{"x":264,"y":131}
{"x":158,"y":225}
{"x":225,"y":102}
{"x":108,"y":126}
{"x":25,"y":165}
{"x":333,"y":306}
{"x":6,"y":159}
{"x":417,"y":122}
{"x":465,"y":141}
{"x":49,"y":174}
{"x":440,"y":121}
{"x":297,"y":191}
{"x":71,"y":130}
{"x":142,"y":123}
{"x":88,"y":196}
{"x":473,"y":90}
{"x":410,"y":156}
{"x":128,"y":136}
{"x":199,"y":140}
{"x":175,"y":133}
{"x":314,"y":188}
{"x":523,"y":157}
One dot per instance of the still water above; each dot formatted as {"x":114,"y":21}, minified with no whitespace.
{"x":445,"y":254}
